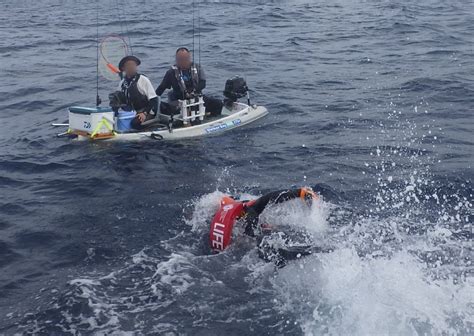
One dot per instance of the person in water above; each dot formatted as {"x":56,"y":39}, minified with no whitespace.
{"x":186,"y":79}
{"x":248,"y":213}
{"x":136,"y":93}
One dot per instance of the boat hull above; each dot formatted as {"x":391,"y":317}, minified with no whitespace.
{"x":242,"y":116}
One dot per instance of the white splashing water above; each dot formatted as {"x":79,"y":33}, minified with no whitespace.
{"x":373,"y":283}
{"x":376,"y":283}
{"x":341,"y":293}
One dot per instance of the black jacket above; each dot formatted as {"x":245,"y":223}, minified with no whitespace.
{"x":172,"y":80}
{"x":254,"y":210}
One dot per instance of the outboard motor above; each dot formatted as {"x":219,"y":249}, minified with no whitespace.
{"x":235,"y":88}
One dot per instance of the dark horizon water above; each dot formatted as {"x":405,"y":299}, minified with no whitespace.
{"x":370,"y":103}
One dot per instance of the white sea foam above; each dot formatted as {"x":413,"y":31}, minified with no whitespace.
{"x":341,"y":293}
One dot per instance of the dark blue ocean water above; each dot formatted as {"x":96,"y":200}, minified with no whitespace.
{"x":371,"y":103}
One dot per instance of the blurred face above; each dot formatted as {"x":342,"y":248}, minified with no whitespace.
{"x":183,"y":59}
{"x":130,"y":68}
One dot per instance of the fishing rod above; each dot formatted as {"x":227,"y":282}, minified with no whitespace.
{"x":199,"y":35}
{"x":98,"y":100}
{"x":193,"y":31}
{"x":126,"y":26}
{"x":241,"y":56}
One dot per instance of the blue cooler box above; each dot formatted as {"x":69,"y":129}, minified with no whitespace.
{"x":124,"y":121}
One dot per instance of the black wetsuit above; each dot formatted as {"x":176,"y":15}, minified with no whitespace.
{"x":286,"y":248}
{"x":170,"y":81}
{"x":254,"y":210}
{"x":193,"y":85}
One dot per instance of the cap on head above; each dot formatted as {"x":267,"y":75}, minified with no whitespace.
{"x":126,"y":59}
{"x":223,"y":223}
{"x":182,"y":49}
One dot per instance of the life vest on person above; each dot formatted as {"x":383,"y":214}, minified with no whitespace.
{"x":134,"y":98}
{"x":223,"y":223}
{"x":182,"y":83}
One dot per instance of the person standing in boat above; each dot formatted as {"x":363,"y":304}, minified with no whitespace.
{"x":137,"y":92}
{"x":186,"y":79}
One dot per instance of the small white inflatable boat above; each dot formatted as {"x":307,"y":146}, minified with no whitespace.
{"x":94,"y":123}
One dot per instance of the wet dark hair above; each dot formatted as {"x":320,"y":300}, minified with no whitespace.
{"x":181,"y":49}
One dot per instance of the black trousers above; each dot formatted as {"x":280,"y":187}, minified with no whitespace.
{"x":136,"y":123}
{"x":213,"y":105}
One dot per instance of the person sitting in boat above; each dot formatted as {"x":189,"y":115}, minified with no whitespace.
{"x":135,"y":92}
{"x":186,"y":79}
{"x":248,"y":213}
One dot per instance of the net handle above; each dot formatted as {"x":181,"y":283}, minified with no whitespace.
{"x":111,"y":66}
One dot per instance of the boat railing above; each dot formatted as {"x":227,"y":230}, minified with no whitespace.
{"x":188,"y":109}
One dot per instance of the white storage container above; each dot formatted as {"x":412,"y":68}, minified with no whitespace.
{"x":91,"y":120}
